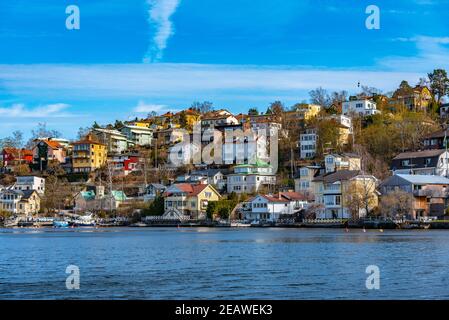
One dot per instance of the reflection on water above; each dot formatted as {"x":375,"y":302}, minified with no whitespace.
{"x":206,"y":263}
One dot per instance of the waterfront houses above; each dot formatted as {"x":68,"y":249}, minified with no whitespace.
{"x":188,"y":199}
{"x":429,"y":193}
{"x":94,"y":198}
{"x":18,"y":202}
{"x":345,"y":194}
{"x":273,"y":207}
{"x":430,"y":162}
{"x":88,"y":155}
{"x":249,"y":178}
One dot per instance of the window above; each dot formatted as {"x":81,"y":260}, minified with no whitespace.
{"x":405,"y":163}
{"x":428,"y":161}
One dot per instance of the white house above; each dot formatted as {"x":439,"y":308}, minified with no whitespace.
{"x":114,"y":139}
{"x":239,"y":147}
{"x":140,"y":136}
{"x":215,"y":177}
{"x":273,"y":207}
{"x":307,"y":143}
{"x":345,"y":161}
{"x":218,"y":118}
{"x":304,"y":178}
{"x":20,"y":202}
{"x":362,"y":107}
{"x":249,"y":178}
{"x":25,"y":183}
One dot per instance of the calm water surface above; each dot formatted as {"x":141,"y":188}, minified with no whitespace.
{"x":205,"y":263}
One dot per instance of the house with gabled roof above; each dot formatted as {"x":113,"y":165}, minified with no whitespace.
{"x":46,"y":150}
{"x":188,"y":199}
{"x":248,"y":178}
{"x":12,"y":157}
{"x":430,"y":193}
{"x":435,"y":140}
{"x":415,"y":98}
{"x":430,"y":162}
{"x":20,"y":202}
{"x":331,"y":191}
{"x":271,"y":207}
{"x":93,"y":198}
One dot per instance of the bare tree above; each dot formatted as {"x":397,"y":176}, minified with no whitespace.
{"x":397,"y":203}
{"x":320,"y":97}
{"x":360,"y":195}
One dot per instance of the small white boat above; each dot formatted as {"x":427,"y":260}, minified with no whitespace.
{"x":84,"y":221}
{"x":11,"y":222}
{"x":240,"y":225}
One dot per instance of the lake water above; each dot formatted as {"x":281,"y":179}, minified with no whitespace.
{"x":207,"y":263}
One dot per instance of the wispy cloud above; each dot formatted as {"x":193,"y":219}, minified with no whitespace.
{"x":432,"y":52}
{"x":162,"y":83}
{"x":160,"y":13}
{"x":45,"y":111}
{"x":143,"y":107}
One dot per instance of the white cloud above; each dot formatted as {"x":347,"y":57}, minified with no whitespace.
{"x":46,"y":111}
{"x":143,"y":107}
{"x":160,"y":13}
{"x":432,"y":53}
{"x":163,"y":83}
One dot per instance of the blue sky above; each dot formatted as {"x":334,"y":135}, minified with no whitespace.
{"x":131,"y":57}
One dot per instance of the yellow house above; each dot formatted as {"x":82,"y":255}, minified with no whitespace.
{"x":309,"y":111}
{"x":190,"y":117}
{"x":415,"y":99}
{"x":88,"y":155}
{"x":142,"y":123}
{"x":189,"y":200}
{"x":344,"y":194}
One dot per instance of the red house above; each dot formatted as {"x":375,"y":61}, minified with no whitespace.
{"x":12,"y":157}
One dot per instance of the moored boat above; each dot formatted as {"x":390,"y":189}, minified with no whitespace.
{"x":84,"y":221}
{"x":60,"y":224}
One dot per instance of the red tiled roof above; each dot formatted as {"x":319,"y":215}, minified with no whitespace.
{"x":293,"y":195}
{"x":191,"y":189}
{"x":16,"y":152}
{"x":52,"y":144}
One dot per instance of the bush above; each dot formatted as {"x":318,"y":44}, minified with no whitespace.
{"x":156,"y":208}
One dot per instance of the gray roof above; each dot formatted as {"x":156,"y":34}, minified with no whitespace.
{"x":424,"y":179}
{"x":209,"y":172}
{"x":158,"y":186}
{"x":340,"y":175}
{"x":419,"y":154}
